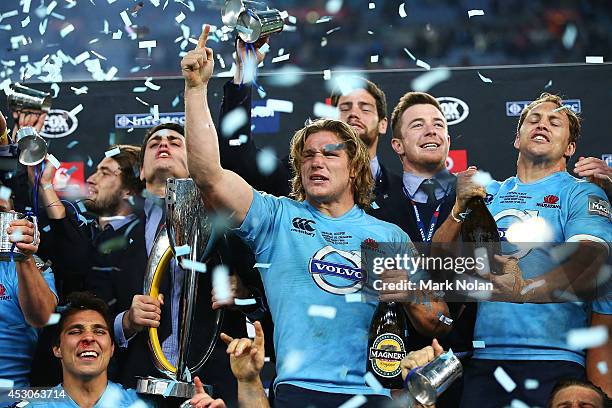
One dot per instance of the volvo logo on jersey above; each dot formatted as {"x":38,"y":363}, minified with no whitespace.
{"x":337,"y":271}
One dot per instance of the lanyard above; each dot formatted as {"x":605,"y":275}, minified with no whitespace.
{"x":419,"y":221}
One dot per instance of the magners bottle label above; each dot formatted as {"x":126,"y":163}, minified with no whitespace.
{"x":385,"y":355}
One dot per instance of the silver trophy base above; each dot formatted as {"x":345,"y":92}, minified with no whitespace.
{"x":158,"y":386}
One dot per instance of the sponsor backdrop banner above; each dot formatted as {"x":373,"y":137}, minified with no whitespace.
{"x":482,"y":116}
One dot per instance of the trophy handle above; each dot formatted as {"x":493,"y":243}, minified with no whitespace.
{"x":160,"y":359}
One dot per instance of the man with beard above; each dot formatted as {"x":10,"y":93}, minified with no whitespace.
{"x":361,"y":104}
{"x":118,"y":276}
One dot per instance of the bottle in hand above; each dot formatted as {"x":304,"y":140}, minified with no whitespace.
{"x":386,"y":345}
{"x":479,"y":231}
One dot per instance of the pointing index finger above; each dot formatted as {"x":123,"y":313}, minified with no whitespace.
{"x":204,"y":37}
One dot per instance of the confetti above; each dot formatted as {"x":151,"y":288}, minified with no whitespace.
{"x":594,"y":60}
{"x":472,"y":13}
{"x":155,"y":112}
{"x":117,"y":35}
{"x":280,"y":105}
{"x":602,"y":366}
{"x":233,"y":121}
{"x":147,"y":44}
{"x":287,"y":76}
{"x":5,"y":193}
{"x":371,"y":6}
{"x":79,"y":91}
{"x":66,"y":30}
{"x":333,"y":6}
{"x":76,"y":110}
{"x":102,"y":57}
{"x":587,"y":338}
{"x":22,"y":404}
{"x":175,"y":101}
{"x":569,"y":36}
{"x":81,"y":57}
{"x":549,"y":84}
{"x":26,"y":6}
{"x":280,"y":58}
{"x":4,"y":383}
{"x":372,"y":382}
{"x":484,"y":78}
{"x":327,"y":312}
{"x":518,"y":404}
{"x":266,"y":161}
{"x":374,"y":205}
{"x":482,"y":178}
{"x":169,"y":389}
{"x":428,"y":80}
{"x":196,"y":266}
{"x":182,"y":250}
{"x":423,"y":64}
{"x":323,"y":110}
{"x":126,"y":19}
{"x":221,"y":283}
{"x":262,"y":265}
{"x":373,"y":58}
{"x":478,"y":344}
{"x":46,"y":228}
{"x":293,"y":361}
{"x":264,"y":48}
{"x":51,"y":7}
{"x":353,"y":298}
{"x":51,"y":158}
{"x":327,"y":74}
{"x":402,"y":10}
{"x":244,"y":302}
{"x":355,"y":402}
{"x":531,"y":384}
{"x":53,"y":319}
{"x":141,"y":101}
{"x":25,"y":22}
{"x":323,"y":19}
{"x":112,"y":152}
{"x":504,"y":379}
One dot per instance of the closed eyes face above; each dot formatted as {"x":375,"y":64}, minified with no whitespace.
{"x":358,"y":109}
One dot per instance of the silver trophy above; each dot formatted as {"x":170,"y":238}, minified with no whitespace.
{"x":5,"y":244}
{"x":23,"y":98}
{"x":431,"y":380}
{"x":187,"y":223}
{"x":252,"y":19}
{"x":32,"y":147}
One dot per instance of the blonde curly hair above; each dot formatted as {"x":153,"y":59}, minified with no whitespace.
{"x":359,"y":159}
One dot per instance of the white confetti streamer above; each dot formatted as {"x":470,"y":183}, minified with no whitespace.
{"x":327,"y":74}
{"x":569,"y":36}
{"x":518,"y":404}
{"x":602,"y":366}
{"x":594,"y":60}
{"x":182,"y":250}
{"x":355,"y":402}
{"x":482,"y":178}
{"x":244,"y":302}
{"x":333,"y":6}
{"x":53,"y":319}
{"x":51,"y":7}
{"x":233,"y":121}
{"x":372,"y":382}
{"x":327,"y":312}
{"x":266,"y":161}
{"x":371,"y":6}
{"x":262,"y":265}
{"x":76,"y":110}
{"x":478,"y":344}
{"x":280,"y":58}
{"x":293,"y":361}
{"x":151,"y":85}
{"x":472,"y":13}
{"x":323,"y":110}
{"x":102,"y":57}
{"x":402,"y":10}
{"x":374,"y":205}
{"x":66,"y":30}
{"x":141,"y":101}
{"x":180,"y":18}
{"x":484,"y":78}
{"x":53,"y":160}
{"x":221,"y":283}
{"x":373,"y":58}
{"x":323,"y":19}
{"x":264,"y":48}
{"x":125,"y":18}
{"x":587,"y":338}
{"x":155,"y":112}
{"x":5,"y":193}
{"x":409,"y":54}
{"x":423,"y":64}
{"x":4,"y":383}
{"x":353,"y":298}
{"x":147,"y":44}
{"x":117,"y":35}
{"x":9,"y":14}
{"x":531,"y":384}
{"x":25,"y":22}
{"x":280,"y":105}
{"x":504,"y":379}
{"x":26,"y":6}
{"x":428,"y":80}
{"x":81,"y":57}
{"x":196,"y":266}
{"x":111,"y":73}
{"x":112,"y":152}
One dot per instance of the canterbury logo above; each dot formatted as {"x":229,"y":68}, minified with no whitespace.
{"x":303,"y":224}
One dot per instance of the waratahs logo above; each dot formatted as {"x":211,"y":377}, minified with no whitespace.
{"x":336,"y":271}
{"x":3,"y":295}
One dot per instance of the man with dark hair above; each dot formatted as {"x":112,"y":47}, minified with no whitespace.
{"x":361,"y":104}
{"x":578,"y":394}
{"x":525,"y":339}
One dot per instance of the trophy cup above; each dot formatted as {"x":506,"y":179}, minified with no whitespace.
{"x":431,"y":380}
{"x":23,"y":98}
{"x":252,"y":19}
{"x":6,"y":246}
{"x":32,"y":147}
{"x":187,"y":223}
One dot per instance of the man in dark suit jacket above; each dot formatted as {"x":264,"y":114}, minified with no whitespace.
{"x":363,"y":105}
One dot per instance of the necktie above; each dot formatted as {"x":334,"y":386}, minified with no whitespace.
{"x":428,"y":186}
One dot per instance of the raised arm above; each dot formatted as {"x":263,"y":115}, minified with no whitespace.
{"x":222,"y":189}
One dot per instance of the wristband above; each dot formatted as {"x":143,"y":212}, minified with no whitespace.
{"x":457,"y":220}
